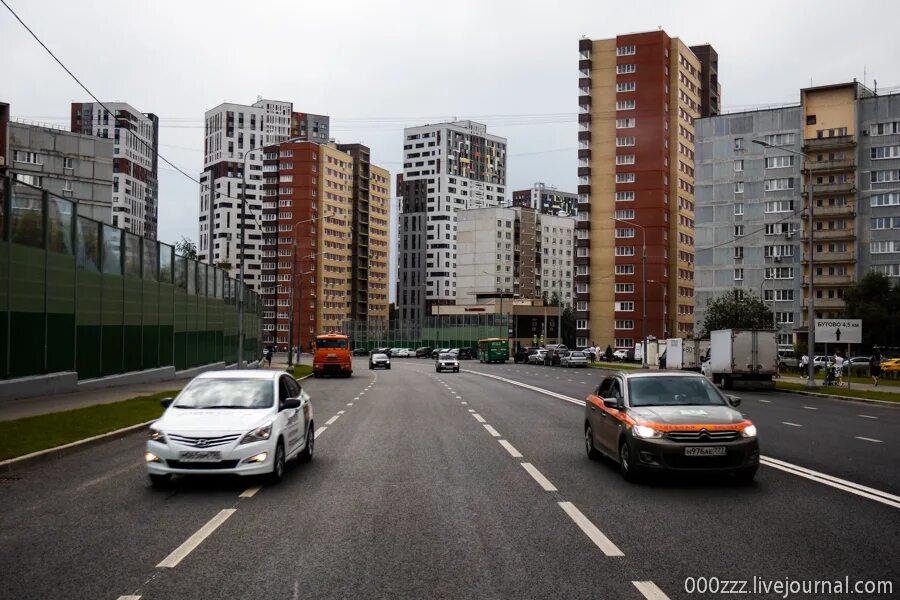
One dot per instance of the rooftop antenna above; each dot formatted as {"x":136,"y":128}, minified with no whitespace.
{"x":875,"y":91}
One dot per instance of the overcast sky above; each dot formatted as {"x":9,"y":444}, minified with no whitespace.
{"x":376,"y":67}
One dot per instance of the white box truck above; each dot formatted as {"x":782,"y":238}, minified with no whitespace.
{"x":743,"y":355}
{"x":685,"y":355}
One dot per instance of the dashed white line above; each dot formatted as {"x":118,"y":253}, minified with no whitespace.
{"x":810,"y":408}
{"x":250,"y":492}
{"x":791,"y":424}
{"x":595,"y":535}
{"x":650,"y":590}
{"x":349,"y":404}
{"x":340,"y":412}
{"x":510,"y":448}
{"x":195,"y":540}
{"x":539,"y":477}
{"x":471,"y":410}
{"x":478,"y":417}
{"x":464,"y":402}
{"x":868,"y":417}
{"x":859,"y":437}
{"x":319,"y":431}
{"x":491,"y":430}
{"x":766,"y":401}
{"x":332,"y":419}
{"x":129,"y":598}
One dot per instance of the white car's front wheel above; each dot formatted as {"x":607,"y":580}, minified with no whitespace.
{"x":277,"y":473}
{"x":307,"y":454}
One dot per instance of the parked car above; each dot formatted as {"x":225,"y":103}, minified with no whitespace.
{"x":891,"y":367}
{"x":819,"y":362}
{"x":424,"y":352}
{"x":253,"y":423}
{"x":787,"y":359}
{"x":381,"y":351}
{"x":621,"y":354}
{"x":858,"y":364}
{"x":446,"y":362}
{"x":379,"y":360}
{"x":467,"y":353}
{"x":438,"y":351}
{"x":537,"y":358}
{"x":554,"y":354}
{"x":360,"y":352}
{"x":573,"y":358}
{"x":402,"y":352}
{"x":521,"y":355}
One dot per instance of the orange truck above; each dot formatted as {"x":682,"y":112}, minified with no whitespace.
{"x":332,"y":355}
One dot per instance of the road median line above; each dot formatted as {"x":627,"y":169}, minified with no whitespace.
{"x":195,"y":540}
{"x":591,"y":530}
{"x":650,"y":590}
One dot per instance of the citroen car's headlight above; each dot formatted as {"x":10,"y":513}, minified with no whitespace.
{"x":749,"y":431}
{"x":645,"y":432}
{"x":260,"y":434}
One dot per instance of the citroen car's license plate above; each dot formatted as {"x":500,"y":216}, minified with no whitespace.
{"x":704,"y":451}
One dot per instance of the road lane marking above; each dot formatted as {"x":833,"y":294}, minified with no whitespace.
{"x":539,"y":477}
{"x":595,"y":535}
{"x":478,"y":418}
{"x":766,"y":401}
{"x":357,"y":398}
{"x":129,"y":598}
{"x":464,"y":402}
{"x":249,"y":492}
{"x":859,"y":437}
{"x":650,"y":590}
{"x":332,"y":419}
{"x":340,"y":412}
{"x":791,"y":424}
{"x":349,"y":404}
{"x":868,"y":417}
{"x":510,"y":448}
{"x":195,"y":540}
{"x":491,"y":430}
{"x":471,"y":410}
{"x":810,"y":408}
{"x":835,"y":482}
{"x":319,"y":431}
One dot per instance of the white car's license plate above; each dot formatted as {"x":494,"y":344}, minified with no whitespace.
{"x":208,"y":456}
{"x":704,"y":451}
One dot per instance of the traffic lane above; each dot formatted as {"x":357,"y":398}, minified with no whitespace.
{"x":408,"y":496}
{"x":781,"y":526}
{"x":95,"y":513}
{"x":826,"y":440}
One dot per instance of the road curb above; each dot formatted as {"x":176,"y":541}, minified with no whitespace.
{"x":70,"y":448}
{"x":818,"y":395}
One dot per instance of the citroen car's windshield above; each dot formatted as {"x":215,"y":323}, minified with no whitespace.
{"x":673,"y":391}
{"x":226,"y":393}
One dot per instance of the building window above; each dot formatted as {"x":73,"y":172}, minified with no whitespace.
{"x":780,"y":139}
{"x":624,"y":196}
{"x":877,"y":200}
{"x":626,"y":214}
{"x":739,"y":165}
{"x":625,"y":159}
{"x":888,"y":128}
{"x":624,"y":232}
{"x":738,"y":252}
{"x":779,"y":250}
{"x":780,"y":162}
{"x":889,"y":247}
{"x":624,"y":269}
{"x":779,"y":206}
{"x":886,"y":176}
{"x":739,"y":274}
{"x":779,"y":272}
{"x":624,"y":324}
{"x":624,"y":343}
{"x":626,"y":50}
{"x":624,"y":288}
{"x":738,"y":209}
{"x":738,"y":187}
{"x":738,"y":143}
{"x":625,"y":104}
{"x":581,"y":324}
{"x":774,"y":185}
{"x":622,"y":142}
{"x":626,"y":86}
{"x":625,"y":123}
{"x":738,"y":230}
{"x":31,"y":158}
{"x":624,"y":250}
{"x":624,"y":306}
{"x":626,"y":68}
{"x":625,"y":177}
{"x":784,"y":318}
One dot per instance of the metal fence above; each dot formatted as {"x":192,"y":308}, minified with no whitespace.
{"x":80,"y":295}
{"x":444,"y":331}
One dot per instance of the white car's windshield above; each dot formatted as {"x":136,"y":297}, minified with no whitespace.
{"x":447,"y":357}
{"x":226,"y":393}
{"x":673,"y":391}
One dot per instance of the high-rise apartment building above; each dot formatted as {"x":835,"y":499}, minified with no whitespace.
{"x":231,"y":132}
{"x":135,"y":135}
{"x":323,"y":256}
{"x":547,"y":200}
{"x":639,"y":96}
{"x":446,"y":167}
{"x":840,"y":144}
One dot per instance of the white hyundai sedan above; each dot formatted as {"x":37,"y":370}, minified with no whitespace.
{"x":232,"y":422}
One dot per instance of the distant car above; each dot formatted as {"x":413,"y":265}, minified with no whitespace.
{"x":446,"y":362}
{"x":521,"y":355}
{"x":438,"y":351}
{"x":665,"y":421}
{"x":537,"y":358}
{"x":890,"y":366}
{"x":379,"y":361}
{"x":574,"y":358}
{"x":402,"y":352}
{"x":467,"y":353}
{"x":381,"y":351}
{"x":424,"y":352}
{"x":787,"y":358}
{"x":554,"y":354}
{"x":620,"y":354}
{"x":819,"y":362}
{"x":232,"y":422}
{"x":360,"y":352}
{"x":858,"y":364}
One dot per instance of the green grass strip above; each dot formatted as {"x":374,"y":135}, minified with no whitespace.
{"x":32,"y":434}
{"x":842,"y":391}
{"x":616,"y":366}
{"x":298,"y":371}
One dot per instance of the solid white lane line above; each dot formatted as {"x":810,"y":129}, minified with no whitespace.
{"x":195,"y":540}
{"x":510,"y":448}
{"x":319,"y":431}
{"x":539,"y":477}
{"x":529,"y":387}
{"x":868,"y":417}
{"x":478,"y":417}
{"x":859,"y":437}
{"x":596,"y":536}
{"x":810,"y":408}
{"x":766,"y":401}
{"x":128,"y":598}
{"x":791,"y":424}
{"x":340,"y":412}
{"x":835,"y":482}
{"x":491,"y":430}
{"x":250,"y":492}
{"x":332,"y":419}
{"x":650,"y":590}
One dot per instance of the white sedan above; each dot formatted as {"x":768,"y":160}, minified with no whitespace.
{"x":232,"y":422}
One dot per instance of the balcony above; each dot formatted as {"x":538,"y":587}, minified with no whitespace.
{"x":584,"y":171}
{"x":827,"y":166}
{"x":828,"y":280}
{"x":584,"y":82}
{"x":584,"y":136}
{"x":819,"y":189}
{"x":585,"y":45}
{"x":584,"y":189}
{"x":828,"y":143}
{"x":826,"y":304}
{"x":584,"y":153}
{"x":585,"y":64}
{"x":832,"y":258}
{"x":848,"y":210}
{"x":827,"y":235}
{"x":584,"y":118}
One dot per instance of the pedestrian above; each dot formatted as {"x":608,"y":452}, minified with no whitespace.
{"x":804,"y":363}
{"x":592,"y":354}
{"x":875,"y":365}
{"x":839,"y":367}
{"x":609,"y":353}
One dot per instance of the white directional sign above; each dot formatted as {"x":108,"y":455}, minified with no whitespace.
{"x":839,"y":331}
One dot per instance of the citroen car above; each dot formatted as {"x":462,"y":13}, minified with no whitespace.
{"x":668,"y":422}
{"x":446,"y":362}
{"x":232,"y":422}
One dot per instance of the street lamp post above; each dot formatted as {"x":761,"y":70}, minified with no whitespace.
{"x":644,"y":363}
{"x":811,"y":311}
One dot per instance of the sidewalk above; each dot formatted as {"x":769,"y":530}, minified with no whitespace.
{"x":869,"y":387}
{"x":39,"y":405}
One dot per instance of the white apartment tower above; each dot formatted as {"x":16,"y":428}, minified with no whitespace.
{"x":135,"y":135}
{"x":446,"y":167}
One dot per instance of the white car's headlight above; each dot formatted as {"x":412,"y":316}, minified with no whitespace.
{"x":645,"y":432}
{"x":749,"y":431}
{"x":260,"y":434}
{"x":157,"y":436}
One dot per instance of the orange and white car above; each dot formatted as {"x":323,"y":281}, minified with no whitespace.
{"x":664,"y":421}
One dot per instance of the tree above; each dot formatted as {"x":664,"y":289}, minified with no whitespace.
{"x":224,"y":265}
{"x":186,"y":248}
{"x":736,"y":310}
{"x":568,"y":327}
{"x":877,"y":303}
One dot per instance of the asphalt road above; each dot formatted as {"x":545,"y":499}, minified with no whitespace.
{"x":460,"y":486}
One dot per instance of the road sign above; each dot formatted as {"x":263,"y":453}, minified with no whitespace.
{"x":839,"y":331}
